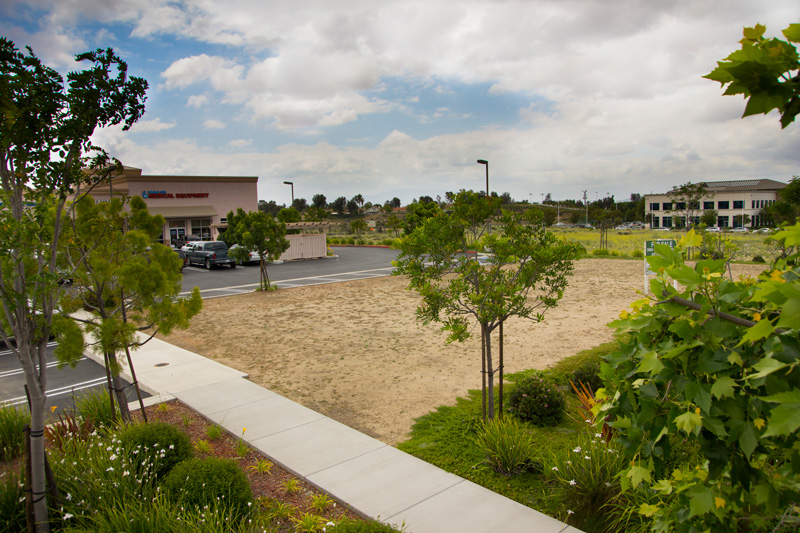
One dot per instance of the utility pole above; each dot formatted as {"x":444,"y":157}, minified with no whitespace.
{"x":586,"y":204}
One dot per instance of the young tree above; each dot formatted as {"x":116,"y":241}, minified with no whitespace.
{"x":456,"y":288}
{"x":765,"y":72}
{"x":45,"y":127}
{"x":358,"y":227}
{"x":394,"y":223}
{"x":289,"y":214}
{"x":126,"y":281}
{"x":709,"y":217}
{"x":686,"y":202}
{"x":257,"y":231}
{"x":418,"y":213}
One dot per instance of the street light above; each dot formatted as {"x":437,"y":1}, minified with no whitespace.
{"x":292,"y":184}
{"x":485,"y":162}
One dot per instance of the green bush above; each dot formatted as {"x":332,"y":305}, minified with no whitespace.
{"x":361,"y":526}
{"x":201,"y":482}
{"x":12,"y":425}
{"x":588,"y":373}
{"x":537,"y":401}
{"x":508,"y":445}
{"x":160,"y":441}
{"x":758,"y":259}
{"x":600,"y":251}
{"x":12,"y":503}
{"x":637,"y":252}
{"x":94,"y":406}
{"x":361,"y":242}
{"x":351,"y":240}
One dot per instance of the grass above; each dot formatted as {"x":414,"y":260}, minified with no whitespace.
{"x":446,"y":438}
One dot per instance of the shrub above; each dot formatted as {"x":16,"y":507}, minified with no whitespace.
{"x":201,"y":482}
{"x":361,"y":242}
{"x":69,"y":427}
{"x":637,"y":252}
{"x":95,"y":407}
{"x":758,"y":259}
{"x":508,"y":445}
{"x":537,"y":401}
{"x":599,"y":251}
{"x":12,"y":425}
{"x":12,"y":502}
{"x":351,"y":240}
{"x":587,"y":479}
{"x":588,"y":373}
{"x":158,"y":440}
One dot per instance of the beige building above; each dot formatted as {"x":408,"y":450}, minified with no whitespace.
{"x":191,"y":205}
{"x":729,"y":198}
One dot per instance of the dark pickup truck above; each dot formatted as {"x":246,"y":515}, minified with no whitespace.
{"x":209,"y":253}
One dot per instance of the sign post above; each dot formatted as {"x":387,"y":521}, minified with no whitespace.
{"x":650,"y":249}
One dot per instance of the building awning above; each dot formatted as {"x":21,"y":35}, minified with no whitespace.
{"x":183,"y":211}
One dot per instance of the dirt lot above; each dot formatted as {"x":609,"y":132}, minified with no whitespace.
{"x":355,"y":352}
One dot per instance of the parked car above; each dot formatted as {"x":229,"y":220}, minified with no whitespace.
{"x":661,"y":229}
{"x":713,"y":229}
{"x":209,"y":254}
{"x":739,"y":230}
{"x":254,"y":257}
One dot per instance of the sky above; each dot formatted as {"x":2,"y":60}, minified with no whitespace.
{"x":401,"y":98}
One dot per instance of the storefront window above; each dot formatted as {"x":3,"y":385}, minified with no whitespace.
{"x":201,"y":227}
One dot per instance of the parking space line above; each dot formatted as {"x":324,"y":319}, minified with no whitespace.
{"x":61,"y":391}
{"x":18,"y":371}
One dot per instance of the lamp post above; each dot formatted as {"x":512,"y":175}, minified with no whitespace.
{"x":292,"y":184}
{"x":485,"y":162}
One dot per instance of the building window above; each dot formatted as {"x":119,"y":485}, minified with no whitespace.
{"x":667,"y":207}
{"x":738,"y":204}
{"x":201,"y":227}
{"x":654,"y":206}
{"x":681,"y":206}
{"x":722,"y":222}
{"x":655,"y":222}
{"x":723,"y":205}
{"x":708,"y":205}
{"x":667,"y":222}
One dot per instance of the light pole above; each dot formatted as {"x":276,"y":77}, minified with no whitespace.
{"x":542,"y":195}
{"x":485,"y":162}
{"x":292,"y":184}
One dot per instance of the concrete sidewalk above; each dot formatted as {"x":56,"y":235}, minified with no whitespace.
{"x":374,"y":479}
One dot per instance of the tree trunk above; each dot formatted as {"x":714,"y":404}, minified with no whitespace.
{"x":489,"y":374}
{"x":483,"y":371}
{"x":38,"y":477}
{"x":500,"y":368}
{"x":122,"y":399}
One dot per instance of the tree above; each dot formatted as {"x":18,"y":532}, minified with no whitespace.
{"x":319,"y":201}
{"x":456,"y":288}
{"x":289,"y":214}
{"x":358,"y":199}
{"x":352,"y":206}
{"x":395,"y":202}
{"x":425,"y":199}
{"x":791,"y":193}
{"x":339,"y":205}
{"x":549,"y":217}
{"x":45,"y":127}
{"x":710,"y":361}
{"x":765,"y":72}
{"x":394,"y":223}
{"x":686,"y":203}
{"x":418,"y":213}
{"x":270,"y":208}
{"x":709,"y":217}
{"x":125,"y":281}
{"x":299,"y":204}
{"x":259,"y":232}
{"x":358,"y":226}
{"x":315,"y":214}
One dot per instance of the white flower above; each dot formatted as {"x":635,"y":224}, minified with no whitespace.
{"x":69,"y":497}
{"x":577,"y":450}
{"x":570,"y":511}
{"x":113,"y":457}
{"x":587,"y":457}
{"x":572,"y":482}
{"x":68,"y":516}
{"x":555,"y":469}
{"x":110,"y":469}
{"x":598,"y":435}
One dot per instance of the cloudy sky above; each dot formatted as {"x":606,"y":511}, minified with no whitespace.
{"x":400,"y":98}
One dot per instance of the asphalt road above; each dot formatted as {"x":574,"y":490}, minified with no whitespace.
{"x":353,"y":263}
{"x":63,"y":384}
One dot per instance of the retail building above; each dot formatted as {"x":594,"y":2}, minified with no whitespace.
{"x":731,"y":200}
{"x":191,"y":205}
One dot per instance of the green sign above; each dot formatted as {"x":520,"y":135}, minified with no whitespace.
{"x":649,"y":249}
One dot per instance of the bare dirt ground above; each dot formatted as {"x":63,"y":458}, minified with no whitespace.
{"x":356,"y":353}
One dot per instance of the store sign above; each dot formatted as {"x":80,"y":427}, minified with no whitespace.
{"x":165,"y":194}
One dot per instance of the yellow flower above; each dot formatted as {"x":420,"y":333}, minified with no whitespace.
{"x":53,"y":409}
{"x":243,"y":430}
{"x":697,"y":411}
{"x":756,"y":317}
{"x":777,"y":275}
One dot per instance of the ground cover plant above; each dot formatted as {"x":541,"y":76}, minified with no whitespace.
{"x":108,"y":483}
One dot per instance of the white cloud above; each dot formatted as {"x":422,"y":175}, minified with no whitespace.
{"x":240,"y":143}
{"x":213,"y":124}
{"x":145,"y":126}
{"x":198,"y":100}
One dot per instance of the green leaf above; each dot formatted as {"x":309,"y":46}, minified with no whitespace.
{"x":702,"y":500}
{"x":699,"y":394}
{"x":723,"y":387}
{"x":761,"y":330}
{"x":650,"y":364}
{"x":685,"y":276}
{"x":648,"y":509}
{"x":715,"y":426}
{"x":792,"y":33}
{"x":748,"y":440}
{"x":765,"y":367}
{"x":785,"y":418}
{"x":637,"y":474}
{"x":688,"y":421}
{"x":664,"y":486}
{"x":790,"y":315}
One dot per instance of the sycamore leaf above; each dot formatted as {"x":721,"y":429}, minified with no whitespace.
{"x":760,"y":330}
{"x":637,"y":474}
{"x":702,"y":501}
{"x":719,"y":502}
{"x":790,"y":315}
{"x":688,"y":421}
{"x":792,"y":33}
{"x":650,"y":364}
{"x":664,"y":486}
{"x":723,"y":387}
{"x":766,"y":367}
{"x":648,"y":509}
{"x":748,"y":440}
{"x":785,"y":418}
